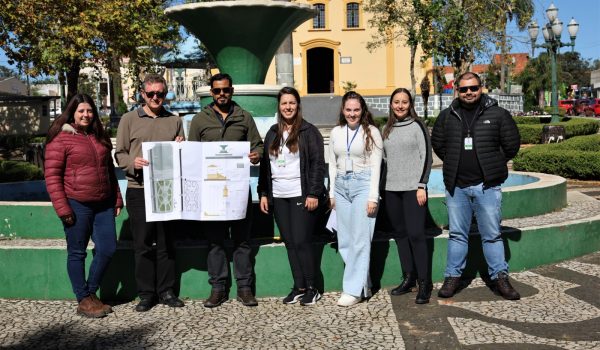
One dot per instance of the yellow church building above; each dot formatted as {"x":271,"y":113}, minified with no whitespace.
{"x":330,"y":51}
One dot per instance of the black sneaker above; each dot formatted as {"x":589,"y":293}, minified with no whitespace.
{"x":294,"y":296}
{"x":310,"y":297}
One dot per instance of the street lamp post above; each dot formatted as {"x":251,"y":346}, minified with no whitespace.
{"x":551,"y":31}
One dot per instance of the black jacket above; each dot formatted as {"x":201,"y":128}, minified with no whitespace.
{"x":312,"y":163}
{"x":496,"y":140}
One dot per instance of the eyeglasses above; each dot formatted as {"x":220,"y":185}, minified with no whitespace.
{"x":158,"y":94}
{"x":464,"y":89}
{"x":217,"y":91}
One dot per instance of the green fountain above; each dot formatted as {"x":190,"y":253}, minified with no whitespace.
{"x":242,"y":37}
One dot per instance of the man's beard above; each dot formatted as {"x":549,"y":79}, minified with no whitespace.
{"x":470,"y":105}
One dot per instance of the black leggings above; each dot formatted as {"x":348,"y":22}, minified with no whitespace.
{"x":296,"y":225}
{"x":408,"y":223}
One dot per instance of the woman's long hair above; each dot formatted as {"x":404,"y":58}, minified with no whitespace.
{"x":292,"y":140}
{"x":387,"y":129}
{"x":68,"y":117}
{"x":366,"y":118}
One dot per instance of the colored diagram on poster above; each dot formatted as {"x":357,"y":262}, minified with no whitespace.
{"x":196,"y":180}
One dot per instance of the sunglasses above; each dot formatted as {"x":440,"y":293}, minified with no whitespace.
{"x":225,"y":90}
{"x":464,"y":89}
{"x":151,"y":94}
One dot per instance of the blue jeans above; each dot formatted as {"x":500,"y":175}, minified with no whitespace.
{"x":486,"y":204}
{"x":354,"y":230}
{"x":95,"y":220}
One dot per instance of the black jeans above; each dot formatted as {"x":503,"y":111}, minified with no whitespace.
{"x":296,"y":226}
{"x":217,"y":263}
{"x":154,"y":265}
{"x":408,"y":223}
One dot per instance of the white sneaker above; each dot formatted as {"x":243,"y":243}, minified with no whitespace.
{"x":348,"y":300}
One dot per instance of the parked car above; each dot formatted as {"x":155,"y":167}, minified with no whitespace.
{"x":587,"y":106}
{"x":579,"y":105}
{"x":567,"y":105}
{"x":592,"y":108}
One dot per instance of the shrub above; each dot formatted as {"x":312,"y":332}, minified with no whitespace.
{"x":13,"y":171}
{"x":532,"y":133}
{"x":380,"y":121}
{"x":576,"y":158}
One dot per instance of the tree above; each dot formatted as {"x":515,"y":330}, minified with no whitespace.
{"x":536,"y":77}
{"x":451,"y":30}
{"x":405,"y":19}
{"x":6,"y":72}
{"x":575,"y":70}
{"x":57,"y":37}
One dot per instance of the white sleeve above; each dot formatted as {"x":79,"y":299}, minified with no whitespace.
{"x":375,"y":163}
{"x":332,"y":162}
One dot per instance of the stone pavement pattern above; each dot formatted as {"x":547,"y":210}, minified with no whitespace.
{"x":559,"y":309}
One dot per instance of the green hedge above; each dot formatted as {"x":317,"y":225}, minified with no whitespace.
{"x":14,"y":171}
{"x":576,"y":158}
{"x":532,"y":133}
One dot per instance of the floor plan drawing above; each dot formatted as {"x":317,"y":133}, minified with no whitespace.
{"x":196,"y":180}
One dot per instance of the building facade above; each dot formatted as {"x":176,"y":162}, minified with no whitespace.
{"x":329,"y":53}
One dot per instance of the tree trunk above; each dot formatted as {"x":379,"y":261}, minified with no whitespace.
{"x":116,"y":92}
{"x":72,"y":78}
{"x":413,"y":80}
{"x":503,"y":61}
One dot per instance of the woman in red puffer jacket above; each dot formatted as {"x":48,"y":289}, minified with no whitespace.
{"x":81,"y":182}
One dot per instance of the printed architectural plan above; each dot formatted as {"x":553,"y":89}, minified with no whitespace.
{"x":196,"y":180}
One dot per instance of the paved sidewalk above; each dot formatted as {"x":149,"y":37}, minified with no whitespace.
{"x":560,"y":308}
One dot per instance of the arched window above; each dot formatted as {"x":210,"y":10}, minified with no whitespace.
{"x":352,"y":20}
{"x":319,"y":19}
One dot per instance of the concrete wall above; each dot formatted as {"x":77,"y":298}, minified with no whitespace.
{"x":380,"y":104}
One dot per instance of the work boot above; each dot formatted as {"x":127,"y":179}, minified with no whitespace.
{"x":216,"y":298}
{"x":145,"y":304}
{"x":504,"y":288}
{"x":424,"y":292}
{"x":245,"y":296}
{"x":107,"y":308}
{"x":406,"y":286}
{"x":88,"y":308}
{"x":450,"y":287}
{"x":170,"y":299}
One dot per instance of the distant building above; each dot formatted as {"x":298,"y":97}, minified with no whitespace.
{"x":12,"y":85}
{"x":330,"y":51}
{"x":595,"y":83}
{"x":516,"y":63}
{"x":25,"y":115}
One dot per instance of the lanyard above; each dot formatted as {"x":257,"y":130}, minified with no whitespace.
{"x":348,"y":144}
{"x":283,"y":141}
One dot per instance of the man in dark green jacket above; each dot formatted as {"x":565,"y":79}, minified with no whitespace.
{"x":225,"y":120}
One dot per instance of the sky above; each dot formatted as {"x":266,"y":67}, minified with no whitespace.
{"x":585,"y":12}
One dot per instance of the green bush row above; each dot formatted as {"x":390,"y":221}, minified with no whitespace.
{"x":576,"y":158}
{"x":537,"y":120}
{"x":14,"y":171}
{"x":532,"y":133}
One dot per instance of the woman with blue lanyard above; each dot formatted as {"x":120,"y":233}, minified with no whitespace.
{"x":292,"y":182}
{"x":355,"y":152}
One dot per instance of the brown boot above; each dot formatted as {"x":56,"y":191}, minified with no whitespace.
{"x":107,"y":308}
{"x":88,"y":308}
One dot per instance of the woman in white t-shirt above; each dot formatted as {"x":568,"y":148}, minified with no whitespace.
{"x":355,"y":152}
{"x":292,"y":177}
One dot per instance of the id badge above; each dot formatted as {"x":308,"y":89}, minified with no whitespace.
{"x":349,"y":165}
{"x":468,"y":143}
{"x":280,"y":160}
